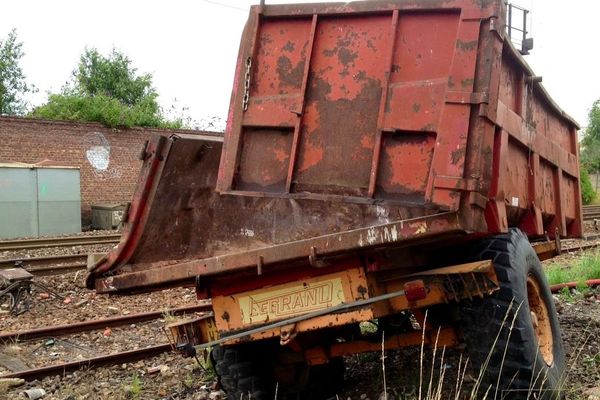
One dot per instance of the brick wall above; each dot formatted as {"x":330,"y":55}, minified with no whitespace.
{"x":107,"y":158}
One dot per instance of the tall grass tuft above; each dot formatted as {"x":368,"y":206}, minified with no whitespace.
{"x":585,"y":268}
{"x":437,"y":377}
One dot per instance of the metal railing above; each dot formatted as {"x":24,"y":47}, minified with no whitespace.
{"x":517,"y":33}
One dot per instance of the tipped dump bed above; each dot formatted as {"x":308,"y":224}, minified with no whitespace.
{"x":354,"y":128}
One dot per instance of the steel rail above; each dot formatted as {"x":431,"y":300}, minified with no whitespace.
{"x":51,"y":265}
{"x":108,"y":359}
{"x":591,"y":217}
{"x":56,"y":269}
{"x":39,"y":243}
{"x":580,"y":247}
{"x":559,"y":286}
{"x":91,"y":325}
{"x":591,"y":212}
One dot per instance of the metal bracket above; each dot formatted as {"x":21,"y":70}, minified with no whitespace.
{"x":288,"y":333}
{"x":456,"y":183}
{"x":314,"y":261}
{"x":259,"y":265}
{"x":557,"y":241}
{"x":143,"y":154}
{"x":467,"y":97}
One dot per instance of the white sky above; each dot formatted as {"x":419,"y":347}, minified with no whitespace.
{"x":190,"y":47}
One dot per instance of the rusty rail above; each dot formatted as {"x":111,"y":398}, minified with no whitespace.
{"x":51,"y":265}
{"x":559,"y":286}
{"x":39,"y":243}
{"x":591,"y":216}
{"x":86,"y":326}
{"x":580,"y":247}
{"x":108,"y":359}
{"x":591,"y":213}
{"x":591,"y":207}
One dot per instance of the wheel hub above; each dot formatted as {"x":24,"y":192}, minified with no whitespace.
{"x":540,"y":320}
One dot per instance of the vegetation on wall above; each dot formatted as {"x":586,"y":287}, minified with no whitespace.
{"x":109,"y":90}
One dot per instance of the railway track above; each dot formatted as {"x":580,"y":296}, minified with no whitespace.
{"x":591,"y":212}
{"x":50,"y":265}
{"x":86,"y":326}
{"x":39,"y":243}
{"x":580,"y":247}
{"x":107,"y":359}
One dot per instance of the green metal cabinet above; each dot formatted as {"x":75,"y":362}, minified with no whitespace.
{"x":39,"y":201}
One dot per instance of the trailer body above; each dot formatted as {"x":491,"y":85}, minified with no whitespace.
{"x":364,"y":142}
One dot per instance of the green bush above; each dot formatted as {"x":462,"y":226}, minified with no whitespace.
{"x":588,"y":193}
{"x":104,"y":109}
{"x":107,"y":89}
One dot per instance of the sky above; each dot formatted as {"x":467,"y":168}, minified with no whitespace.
{"x":190,"y":47}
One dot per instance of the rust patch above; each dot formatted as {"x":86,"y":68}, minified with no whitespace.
{"x":457,"y":155}
{"x":333,"y":139}
{"x":265,"y":40}
{"x":288,"y":75}
{"x":484,"y":3}
{"x":467,"y":82}
{"x":264,"y":159}
{"x":361,"y":76}
{"x":289,"y":47}
{"x":402,"y":152}
{"x":466,"y":46}
{"x":451,"y":82}
{"x":346,"y":56}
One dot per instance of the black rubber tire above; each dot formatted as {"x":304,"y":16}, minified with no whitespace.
{"x":246,"y":372}
{"x":514,"y":261}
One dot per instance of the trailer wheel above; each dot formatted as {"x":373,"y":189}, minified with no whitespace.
{"x":528,"y":360}
{"x":252,"y":371}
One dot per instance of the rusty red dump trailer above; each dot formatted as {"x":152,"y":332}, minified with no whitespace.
{"x":384,"y":161}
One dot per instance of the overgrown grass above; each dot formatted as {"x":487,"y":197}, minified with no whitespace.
{"x":134,"y":389}
{"x":433,"y":384}
{"x":583,"y":269}
{"x":169,"y":317}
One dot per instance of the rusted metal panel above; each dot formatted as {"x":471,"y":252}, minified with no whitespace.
{"x":337,"y":299}
{"x":538,"y":183}
{"x":347,"y":121}
{"x":368,"y":95}
{"x":445,"y":336}
{"x":391,"y":86}
{"x":252,"y":308}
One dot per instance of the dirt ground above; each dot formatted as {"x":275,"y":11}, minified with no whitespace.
{"x":81,"y":304}
{"x":580,"y":326}
{"x":169,"y":376}
{"x":180,"y":378}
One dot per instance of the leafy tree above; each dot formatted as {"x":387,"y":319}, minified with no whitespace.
{"x":590,"y":153}
{"x":590,"y":144}
{"x":107,"y":90}
{"x":112,"y":76}
{"x":12,"y":80}
{"x":588,"y":194}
